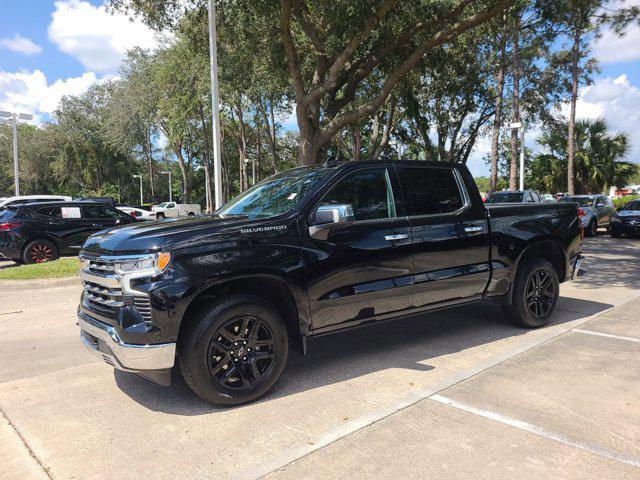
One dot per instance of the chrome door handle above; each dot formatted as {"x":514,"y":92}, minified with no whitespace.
{"x":475,"y":228}
{"x":396,"y":236}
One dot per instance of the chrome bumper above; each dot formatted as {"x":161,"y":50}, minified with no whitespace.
{"x":104,"y":341}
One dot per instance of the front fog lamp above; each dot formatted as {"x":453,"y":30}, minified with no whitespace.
{"x":153,"y":264}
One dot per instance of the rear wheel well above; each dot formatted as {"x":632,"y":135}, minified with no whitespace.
{"x":272,"y":290}
{"x":550,"y":251}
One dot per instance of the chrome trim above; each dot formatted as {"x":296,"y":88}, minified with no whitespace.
{"x":109,"y":281}
{"x":396,"y":236}
{"x":122,"y":355}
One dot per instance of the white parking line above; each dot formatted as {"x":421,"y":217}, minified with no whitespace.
{"x":603,"y":452}
{"x":608,"y":335}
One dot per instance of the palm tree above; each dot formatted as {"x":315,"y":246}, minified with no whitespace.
{"x":597,"y":162}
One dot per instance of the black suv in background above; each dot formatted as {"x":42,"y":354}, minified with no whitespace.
{"x":40,"y":232}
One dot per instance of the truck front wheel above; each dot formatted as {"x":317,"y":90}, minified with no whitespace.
{"x":234,"y":350}
{"x":535,"y":294}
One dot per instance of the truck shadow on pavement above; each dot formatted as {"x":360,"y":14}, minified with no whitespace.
{"x":400,"y":344}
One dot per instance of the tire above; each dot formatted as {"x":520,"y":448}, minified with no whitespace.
{"x":40,"y":251}
{"x":592,"y":229}
{"x":204,"y":350}
{"x":160,"y":216}
{"x":191,"y":214}
{"x":534,"y":272}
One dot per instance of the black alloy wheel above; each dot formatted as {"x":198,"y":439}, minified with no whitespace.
{"x":540,"y":293}
{"x":535,"y":293}
{"x":241,"y":352}
{"x":233,"y":349}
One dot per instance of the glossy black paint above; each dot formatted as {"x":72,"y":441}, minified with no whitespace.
{"x":355,"y":275}
{"x":67,"y":234}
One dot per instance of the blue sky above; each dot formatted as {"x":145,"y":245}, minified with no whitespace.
{"x":53,"y":48}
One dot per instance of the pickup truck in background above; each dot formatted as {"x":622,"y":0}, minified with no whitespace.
{"x":174,"y":210}
{"x":311,"y":251}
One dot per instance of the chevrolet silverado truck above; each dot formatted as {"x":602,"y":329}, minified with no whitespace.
{"x":307,"y":252}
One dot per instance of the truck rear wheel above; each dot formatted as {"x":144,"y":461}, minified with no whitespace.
{"x":234,"y":350}
{"x":159,"y":216}
{"x":535,"y":294}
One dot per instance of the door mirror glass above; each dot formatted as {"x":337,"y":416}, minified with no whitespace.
{"x":334,"y":214}
{"x":600,"y":203}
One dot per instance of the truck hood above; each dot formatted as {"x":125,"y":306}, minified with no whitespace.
{"x":168,"y":235}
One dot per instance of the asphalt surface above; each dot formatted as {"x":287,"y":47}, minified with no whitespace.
{"x":455,"y":394}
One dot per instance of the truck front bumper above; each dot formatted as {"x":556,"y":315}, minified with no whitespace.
{"x":103,"y":340}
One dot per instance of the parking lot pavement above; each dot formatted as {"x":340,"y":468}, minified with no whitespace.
{"x":452,"y":394}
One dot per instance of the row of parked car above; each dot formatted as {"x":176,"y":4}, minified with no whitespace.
{"x":40,"y":228}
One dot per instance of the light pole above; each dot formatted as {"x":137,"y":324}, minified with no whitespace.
{"x":168,"y":172}
{"x":16,"y":117}
{"x":520,"y":126}
{"x":140,"y":177}
{"x":215,"y":105}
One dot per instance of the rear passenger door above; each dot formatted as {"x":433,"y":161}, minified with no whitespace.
{"x":450,"y":237}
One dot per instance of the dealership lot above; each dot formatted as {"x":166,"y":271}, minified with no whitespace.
{"x":453,"y":394}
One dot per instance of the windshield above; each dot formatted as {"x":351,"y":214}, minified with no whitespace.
{"x":275,"y":195}
{"x":163,"y":204}
{"x":505,"y":197}
{"x":632,"y":206}
{"x":582,"y":201}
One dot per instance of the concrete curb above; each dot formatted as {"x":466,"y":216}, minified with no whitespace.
{"x":40,"y":284}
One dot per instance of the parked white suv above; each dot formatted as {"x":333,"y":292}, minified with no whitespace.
{"x":173,"y":210}
{"x":32,"y":199}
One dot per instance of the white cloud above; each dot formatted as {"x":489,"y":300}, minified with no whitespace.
{"x":30,"y":92}
{"x":20,"y":44}
{"x":618,"y":101}
{"x":613,"y":48}
{"x":96,"y":38}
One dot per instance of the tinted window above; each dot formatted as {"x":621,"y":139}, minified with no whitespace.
{"x":429,"y":191}
{"x":632,"y":206}
{"x":582,"y":201}
{"x":505,"y":197}
{"x":50,"y":212}
{"x":98,"y":211}
{"x":368,"y":192}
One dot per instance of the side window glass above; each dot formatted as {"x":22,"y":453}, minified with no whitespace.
{"x":429,"y":191}
{"x":98,"y":211}
{"x":55,"y":212}
{"x":368,"y":192}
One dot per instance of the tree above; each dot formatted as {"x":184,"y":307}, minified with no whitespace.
{"x":598,"y":158}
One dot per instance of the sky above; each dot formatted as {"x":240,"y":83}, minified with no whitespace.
{"x":49,"y":49}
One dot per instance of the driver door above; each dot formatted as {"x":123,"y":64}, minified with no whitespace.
{"x":361,"y":270}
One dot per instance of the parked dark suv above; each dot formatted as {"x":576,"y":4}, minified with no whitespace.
{"x":40,"y":232}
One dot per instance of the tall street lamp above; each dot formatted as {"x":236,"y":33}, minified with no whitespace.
{"x":140,"y":177}
{"x":520,"y":126}
{"x":168,"y":172}
{"x":215,"y":104}
{"x":16,"y":117}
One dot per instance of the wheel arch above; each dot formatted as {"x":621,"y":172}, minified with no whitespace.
{"x":278,"y":291}
{"x":548,"y":249}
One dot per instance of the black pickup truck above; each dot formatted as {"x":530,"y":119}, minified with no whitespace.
{"x":310,"y":251}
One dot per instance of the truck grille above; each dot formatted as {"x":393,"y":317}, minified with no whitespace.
{"x":103,"y":294}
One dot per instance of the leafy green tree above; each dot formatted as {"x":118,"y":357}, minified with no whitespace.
{"x":598,"y":158}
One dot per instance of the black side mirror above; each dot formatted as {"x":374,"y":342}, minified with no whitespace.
{"x":328,"y":217}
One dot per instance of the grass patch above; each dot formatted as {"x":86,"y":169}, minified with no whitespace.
{"x":64,"y":267}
